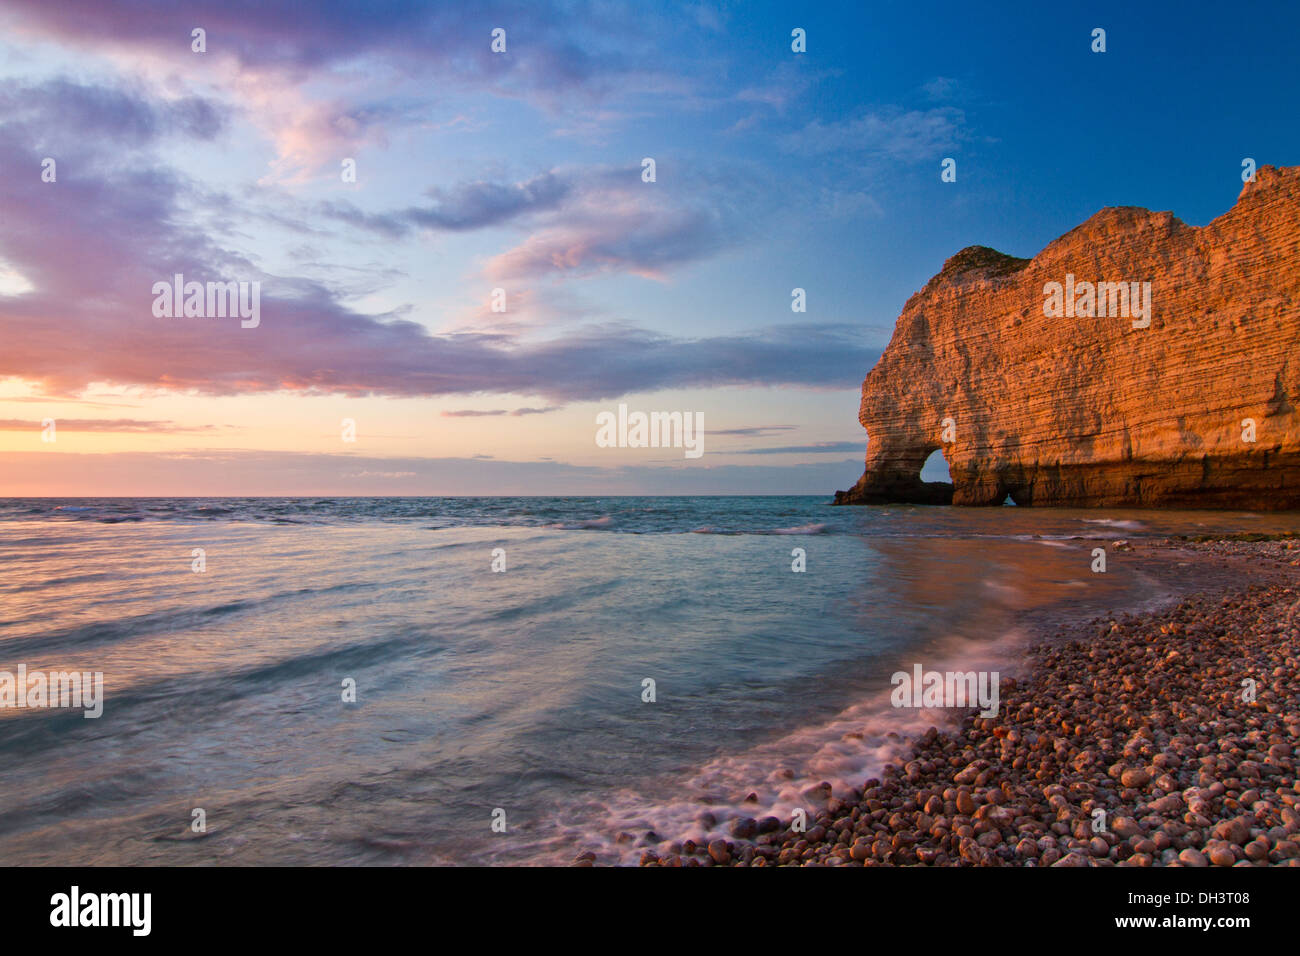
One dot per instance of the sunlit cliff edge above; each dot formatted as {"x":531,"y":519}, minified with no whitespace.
{"x":1103,"y":410}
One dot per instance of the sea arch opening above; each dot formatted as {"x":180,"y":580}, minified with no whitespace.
{"x":936,"y":468}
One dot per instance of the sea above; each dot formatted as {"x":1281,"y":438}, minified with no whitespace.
{"x":473,"y":681}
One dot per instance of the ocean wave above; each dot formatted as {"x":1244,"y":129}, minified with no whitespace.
{"x":681,"y":514}
{"x":812,"y":528}
{"x":775,"y":777}
{"x":1116,"y":523}
{"x":589,"y":523}
{"x":123,"y":628}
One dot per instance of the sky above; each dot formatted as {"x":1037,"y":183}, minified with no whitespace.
{"x":523,"y":171}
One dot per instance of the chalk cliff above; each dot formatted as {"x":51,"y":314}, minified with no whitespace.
{"x":1097,"y":405}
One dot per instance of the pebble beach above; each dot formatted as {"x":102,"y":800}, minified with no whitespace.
{"x":1164,"y":738}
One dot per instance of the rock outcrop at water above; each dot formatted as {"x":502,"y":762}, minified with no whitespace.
{"x":1040,"y":383}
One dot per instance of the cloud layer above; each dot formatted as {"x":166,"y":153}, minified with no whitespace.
{"x":110,"y":228}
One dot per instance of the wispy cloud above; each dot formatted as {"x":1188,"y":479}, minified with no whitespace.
{"x":582,"y":221}
{"x":479,"y":413}
{"x":887,"y":134}
{"x":464,"y":207}
{"x":60,"y":109}
{"x":941,"y":88}
{"x":817,"y":448}
{"x":753,"y":431}
{"x":104,"y":425}
{"x":56,"y":399}
{"x":387,"y":475}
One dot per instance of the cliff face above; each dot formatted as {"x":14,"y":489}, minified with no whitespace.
{"x":1087,"y":408}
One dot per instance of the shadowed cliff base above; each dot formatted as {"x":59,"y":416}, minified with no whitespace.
{"x":1134,"y":362}
{"x":896,"y":489}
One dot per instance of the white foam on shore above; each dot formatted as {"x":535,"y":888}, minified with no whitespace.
{"x":843,"y":751}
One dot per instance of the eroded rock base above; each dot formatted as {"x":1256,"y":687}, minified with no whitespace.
{"x":1263,"y":480}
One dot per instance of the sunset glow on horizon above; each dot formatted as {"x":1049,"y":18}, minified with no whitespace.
{"x":458,"y":249}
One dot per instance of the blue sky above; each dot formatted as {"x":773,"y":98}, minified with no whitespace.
{"x":522,"y":171}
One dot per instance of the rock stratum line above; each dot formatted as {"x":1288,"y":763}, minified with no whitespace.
{"x":1091,"y":411}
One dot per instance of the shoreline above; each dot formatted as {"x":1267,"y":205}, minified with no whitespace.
{"x":1125,"y":741}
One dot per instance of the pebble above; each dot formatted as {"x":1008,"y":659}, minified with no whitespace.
{"x":1137,"y":777}
{"x":1144,"y":719}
